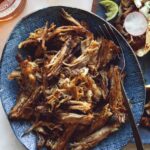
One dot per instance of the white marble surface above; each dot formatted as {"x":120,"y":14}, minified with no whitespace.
{"x":7,"y":139}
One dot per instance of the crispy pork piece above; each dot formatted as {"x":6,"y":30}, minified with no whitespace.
{"x":72,"y":118}
{"x":37,"y":36}
{"x":97,"y":94}
{"x":14,"y":75}
{"x":63,"y":140}
{"x":54,"y":65}
{"x":28,"y":70}
{"x":99,"y":120}
{"x":145,"y":121}
{"x":44,"y":124}
{"x":115,"y":97}
{"x":91,"y":86}
{"x":85,"y":43}
{"x":82,"y":106}
{"x":88,"y":53}
{"x":93,"y":139}
{"x":109,"y":51}
{"x":27,"y":43}
{"x":80,"y":31}
{"x":41,"y":141}
{"x":50,"y":144}
{"x":23,"y":108}
{"x":69,"y":18}
{"x":147,"y":108}
{"x":104,"y":84}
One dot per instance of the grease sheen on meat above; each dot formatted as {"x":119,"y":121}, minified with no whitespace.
{"x":69,"y":86}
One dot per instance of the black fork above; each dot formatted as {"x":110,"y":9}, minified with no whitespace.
{"x":107,"y":32}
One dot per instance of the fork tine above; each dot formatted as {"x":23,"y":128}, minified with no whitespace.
{"x":107,"y":30}
{"x":113,"y":35}
{"x":108,"y":33}
{"x":116,"y":40}
{"x":103,"y":33}
{"x":98,"y":32}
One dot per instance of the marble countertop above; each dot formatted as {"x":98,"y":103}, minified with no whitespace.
{"x":8,"y":140}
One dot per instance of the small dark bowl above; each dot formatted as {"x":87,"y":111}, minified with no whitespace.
{"x":134,"y":83}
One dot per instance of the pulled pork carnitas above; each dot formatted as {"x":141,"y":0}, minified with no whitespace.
{"x":70,"y":86}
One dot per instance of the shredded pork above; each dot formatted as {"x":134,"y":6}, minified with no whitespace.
{"x":70,"y":88}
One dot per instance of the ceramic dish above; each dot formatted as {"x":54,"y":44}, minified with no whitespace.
{"x":134,"y":83}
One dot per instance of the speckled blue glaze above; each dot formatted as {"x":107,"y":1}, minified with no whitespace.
{"x":134,"y":84}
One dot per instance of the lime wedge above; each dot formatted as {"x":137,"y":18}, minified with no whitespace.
{"x":111,"y":7}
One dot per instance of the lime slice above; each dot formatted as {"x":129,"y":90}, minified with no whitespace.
{"x":111,"y":9}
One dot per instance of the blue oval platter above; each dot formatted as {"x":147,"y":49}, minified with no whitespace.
{"x":134,"y":83}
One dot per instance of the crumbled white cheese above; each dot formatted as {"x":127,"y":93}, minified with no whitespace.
{"x":146,"y":49}
{"x":138,"y":3}
{"x":145,"y":10}
{"x":147,"y":4}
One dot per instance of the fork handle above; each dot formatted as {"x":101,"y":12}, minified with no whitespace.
{"x":135,"y":131}
{"x":136,"y":134}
